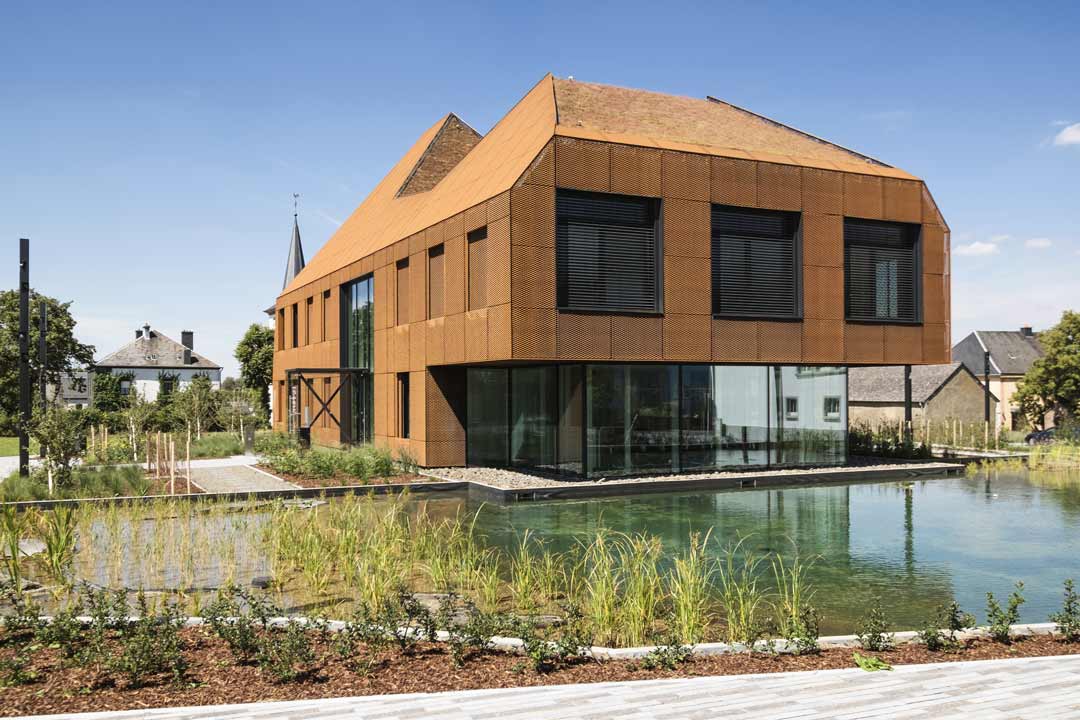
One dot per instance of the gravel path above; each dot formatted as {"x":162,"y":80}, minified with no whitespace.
{"x":516,"y":480}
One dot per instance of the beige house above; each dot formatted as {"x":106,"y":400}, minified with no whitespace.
{"x":1012,"y":352}
{"x":939,"y":393}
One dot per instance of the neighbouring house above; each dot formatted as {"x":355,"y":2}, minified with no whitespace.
{"x":939,"y":393}
{"x":609,"y":282}
{"x":154,"y":363}
{"x":74,"y":390}
{"x":1012,"y":353}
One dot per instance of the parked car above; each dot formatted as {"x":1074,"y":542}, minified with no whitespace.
{"x":1041,"y":437}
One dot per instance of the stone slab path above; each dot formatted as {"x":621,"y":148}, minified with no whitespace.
{"x":1044,"y":688}
{"x":235,"y":479}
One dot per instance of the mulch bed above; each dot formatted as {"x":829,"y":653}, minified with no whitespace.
{"x":344,"y":480}
{"x":214,"y":678}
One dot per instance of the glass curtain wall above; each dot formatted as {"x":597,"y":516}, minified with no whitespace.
{"x":358,"y":352}
{"x":609,"y":420}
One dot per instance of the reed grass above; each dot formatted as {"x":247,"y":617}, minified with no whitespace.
{"x":690,"y":584}
{"x":743,"y":596}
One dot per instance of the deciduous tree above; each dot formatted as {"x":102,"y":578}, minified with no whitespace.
{"x":1053,"y":382}
{"x":255,"y":352}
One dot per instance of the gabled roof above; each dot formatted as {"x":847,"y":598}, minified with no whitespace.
{"x":155,"y":350}
{"x":1011,"y":351}
{"x":450,"y":169}
{"x":886,"y":384}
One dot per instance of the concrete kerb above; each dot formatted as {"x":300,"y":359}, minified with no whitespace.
{"x":514,"y":645}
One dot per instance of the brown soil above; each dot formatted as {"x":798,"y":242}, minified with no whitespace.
{"x":344,"y":480}
{"x":214,"y":678}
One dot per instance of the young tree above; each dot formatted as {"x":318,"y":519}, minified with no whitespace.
{"x":137,"y":416}
{"x":1053,"y":382}
{"x":65,"y":353}
{"x":255,"y":352}
{"x":60,"y":431}
{"x":194,"y":404}
{"x":238,"y":407}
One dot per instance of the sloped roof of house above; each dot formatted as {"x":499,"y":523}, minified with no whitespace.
{"x":1011,"y":351}
{"x":155,"y":350}
{"x":450,"y":169}
{"x":886,"y":384}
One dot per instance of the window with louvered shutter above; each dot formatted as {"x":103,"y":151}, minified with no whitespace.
{"x":881,"y":271}
{"x":755,"y":263}
{"x":607,"y":252}
{"x":436,"y":293}
{"x":402,"y":292}
{"x":478,"y":279}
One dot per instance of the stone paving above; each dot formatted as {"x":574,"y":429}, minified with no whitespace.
{"x":235,"y":479}
{"x":1044,"y":688}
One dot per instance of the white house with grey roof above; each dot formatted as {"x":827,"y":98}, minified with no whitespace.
{"x":1011,"y":355}
{"x":153,"y":361}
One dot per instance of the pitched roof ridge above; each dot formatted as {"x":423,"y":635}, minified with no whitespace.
{"x":429,"y":151}
{"x":114,"y":358}
{"x":794,"y":129}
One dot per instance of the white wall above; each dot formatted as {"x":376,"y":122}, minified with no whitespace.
{"x":147,"y":382}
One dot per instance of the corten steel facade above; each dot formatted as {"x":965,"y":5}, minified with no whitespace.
{"x":462,"y":272}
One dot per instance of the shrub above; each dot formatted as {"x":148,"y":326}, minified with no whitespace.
{"x":151,"y":644}
{"x":669,"y":653}
{"x":236,"y":625}
{"x":802,"y":634}
{"x":216,"y":445}
{"x":14,"y":669}
{"x":287,"y":654}
{"x":873,"y":628}
{"x":1068,"y":620}
{"x":939,"y":631}
{"x":1001,"y":620}
{"x":407,"y":620}
{"x":64,"y":633}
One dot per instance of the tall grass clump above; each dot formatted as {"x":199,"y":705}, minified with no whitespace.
{"x":690,"y":585}
{"x":742,"y":593}
{"x":58,"y":530}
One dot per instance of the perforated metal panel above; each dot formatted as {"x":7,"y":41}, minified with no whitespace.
{"x":930,"y":212}
{"x":418,"y":286}
{"x":381,"y":422}
{"x":532,"y":216}
{"x":903,"y":344}
{"x":417,"y":346}
{"x":734,"y":182}
{"x":454,"y":267}
{"x":933,"y":248}
{"x":434,"y":341}
{"x":582,"y":165}
{"x":823,"y":240}
{"x":402,"y":346}
{"x":476,"y":346}
{"x":635,"y":170}
{"x":401,"y":250}
{"x":498,"y":332}
{"x":686,"y":228}
{"x":585,"y":337}
{"x":418,"y":241}
{"x":445,"y":454}
{"x":533,"y":276}
{"x":637,"y":338}
{"x":903,"y":200}
{"x":533,"y":332}
{"x":823,"y":341}
{"x":686,"y":337}
{"x":864,"y":344}
{"x":862,"y":196}
{"x":685,"y":175}
{"x":475,"y":217}
{"x":935,"y":343}
{"x":454,"y":226}
{"x":417,"y":410}
{"x":498,"y":262}
{"x":454,"y":338}
{"x":434,"y":235}
{"x":780,"y":342}
{"x":822,"y":192}
{"x":476,"y":262}
{"x":687,"y":286}
{"x":380,"y":356}
{"x":779,"y":187}
{"x":444,"y":387}
{"x":498,"y":207}
{"x":542,"y":170}
{"x":823,"y":293}
{"x":734,"y":340}
{"x":934,"y":298}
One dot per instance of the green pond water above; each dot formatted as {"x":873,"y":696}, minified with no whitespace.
{"x":915,"y":544}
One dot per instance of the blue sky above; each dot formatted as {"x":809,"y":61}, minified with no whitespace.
{"x":150,"y":150}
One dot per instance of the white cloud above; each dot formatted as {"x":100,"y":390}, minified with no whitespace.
{"x":976,"y":248}
{"x":1069,"y":135}
{"x":1038,"y":243}
{"x":998,"y":239}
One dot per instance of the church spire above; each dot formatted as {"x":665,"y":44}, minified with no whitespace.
{"x":295,"y":263}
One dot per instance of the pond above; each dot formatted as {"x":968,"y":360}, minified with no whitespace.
{"x":915,"y":544}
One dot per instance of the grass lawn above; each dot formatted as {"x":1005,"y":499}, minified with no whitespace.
{"x":9,"y":446}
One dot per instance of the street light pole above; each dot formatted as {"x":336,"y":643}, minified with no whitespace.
{"x":24,"y":357}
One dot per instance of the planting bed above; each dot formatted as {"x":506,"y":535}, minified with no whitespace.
{"x":306,"y":481}
{"x":213,"y":677}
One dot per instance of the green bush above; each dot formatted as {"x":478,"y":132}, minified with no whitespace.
{"x":1001,"y":620}
{"x":356,"y":465}
{"x":216,"y":445}
{"x":287,"y":654}
{"x":1068,"y":620}
{"x":873,"y":628}
{"x":151,"y":644}
{"x":106,"y":481}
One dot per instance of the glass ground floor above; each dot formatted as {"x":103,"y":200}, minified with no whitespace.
{"x":602,"y":420}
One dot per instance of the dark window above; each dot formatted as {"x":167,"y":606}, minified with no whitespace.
{"x":608,"y":252}
{"x":832,"y":408}
{"x":791,"y":408}
{"x":308,"y":311}
{"x":402,"y":292}
{"x":322,"y":324}
{"x":478,"y":272}
{"x":881,"y":271}
{"x":295,"y":325}
{"x":755,"y":262}
{"x":280,"y":330}
{"x":436,"y":292}
{"x":403,"y":404}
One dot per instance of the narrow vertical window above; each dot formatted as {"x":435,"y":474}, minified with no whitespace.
{"x":478,"y":280}
{"x":309,"y":308}
{"x":436,"y":284}
{"x":280,"y":329}
{"x":402,"y":292}
{"x":403,"y":404}
{"x":322,"y":323}
{"x":295,"y":325}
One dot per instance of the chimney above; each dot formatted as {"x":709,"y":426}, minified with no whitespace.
{"x":138,"y":334}
{"x":187,"y":339}
{"x":187,"y":356}
{"x":1025,"y":330}
{"x":146,"y":330}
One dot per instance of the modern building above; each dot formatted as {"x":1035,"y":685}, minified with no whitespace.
{"x":153,"y":363}
{"x":939,"y":393}
{"x":613,"y":281}
{"x":1012,"y":353}
{"x":293,"y":265}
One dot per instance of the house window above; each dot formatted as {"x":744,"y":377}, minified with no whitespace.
{"x":402,"y":292}
{"x":832,"y":408}
{"x":755,"y":263}
{"x":881,"y":271}
{"x":791,"y":408}
{"x":295,"y":325}
{"x":403,"y":404}
{"x":607,"y":252}
{"x":125,"y":387}
{"x":478,"y":272}
{"x":436,"y":293}
{"x":308,"y":311}
{"x":279,"y":405}
{"x":322,"y":323}
{"x":280,"y":329}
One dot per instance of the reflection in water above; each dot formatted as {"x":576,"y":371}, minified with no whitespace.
{"x":917,"y":545}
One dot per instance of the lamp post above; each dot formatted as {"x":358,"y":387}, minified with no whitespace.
{"x":24,"y":357}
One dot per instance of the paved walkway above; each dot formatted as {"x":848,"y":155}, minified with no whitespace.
{"x":235,"y":479}
{"x":1043,"y":688}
